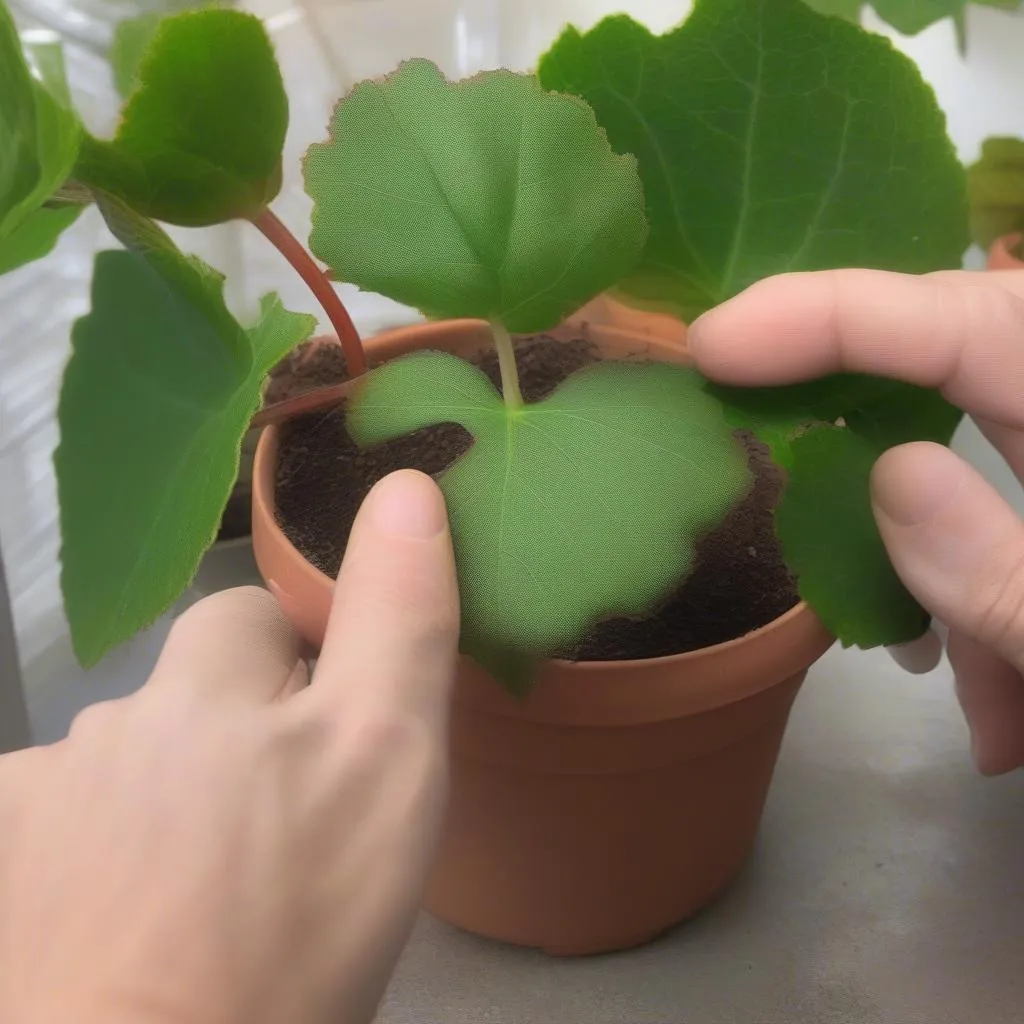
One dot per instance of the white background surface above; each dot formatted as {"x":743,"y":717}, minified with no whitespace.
{"x":888,"y":887}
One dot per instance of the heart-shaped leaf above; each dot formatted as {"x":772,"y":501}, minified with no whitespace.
{"x":996,"y":184}
{"x":39,"y":135}
{"x":201,"y":137}
{"x":484,"y":198}
{"x":825,"y":523}
{"x":770,"y":138}
{"x":582,"y":506}
{"x":153,"y":408}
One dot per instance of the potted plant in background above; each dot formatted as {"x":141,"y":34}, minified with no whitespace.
{"x":996,"y":189}
{"x":614,"y":515}
{"x":912,"y":16}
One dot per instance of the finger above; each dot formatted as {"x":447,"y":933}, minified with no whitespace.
{"x":991,"y":693}
{"x":393,"y":631}
{"x":960,"y":332}
{"x":955,"y":543}
{"x":236,"y":643}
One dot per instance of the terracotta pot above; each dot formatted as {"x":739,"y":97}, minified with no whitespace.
{"x":612,"y":313}
{"x":620,"y":797}
{"x":1000,"y":255}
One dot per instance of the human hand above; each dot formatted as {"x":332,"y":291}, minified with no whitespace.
{"x":956,"y":544}
{"x":230,"y":845}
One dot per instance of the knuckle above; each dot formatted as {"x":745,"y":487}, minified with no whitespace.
{"x":95,"y":719}
{"x":1001,"y":614}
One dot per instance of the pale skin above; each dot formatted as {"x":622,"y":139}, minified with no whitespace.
{"x":239,"y":844}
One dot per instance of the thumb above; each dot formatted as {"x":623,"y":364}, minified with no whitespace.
{"x":959,"y":548}
{"x":393,"y":631}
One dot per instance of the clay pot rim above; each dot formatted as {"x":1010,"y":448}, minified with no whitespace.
{"x":264,"y":505}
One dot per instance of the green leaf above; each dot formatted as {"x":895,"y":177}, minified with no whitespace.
{"x":39,"y":135}
{"x":46,"y":53}
{"x":848,"y":9}
{"x":830,"y":539}
{"x":152,"y":413}
{"x":581,"y":506}
{"x":484,"y":198}
{"x":911,"y":16}
{"x":826,"y":526}
{"x":131,"y":40}
{"x":199,"y":287}
{"x":200,"y":139}
{"x":996,"y":184}
{"x":776,"y":415}
{"x":36,"y":236}
{"x":769,"y":139}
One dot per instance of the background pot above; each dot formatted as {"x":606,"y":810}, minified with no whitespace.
{"x":620,"y":797}
{"x":1001,"y":254}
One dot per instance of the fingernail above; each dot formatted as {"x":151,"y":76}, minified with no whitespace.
{"x":911,"y":487}
{"x":407,"y":504}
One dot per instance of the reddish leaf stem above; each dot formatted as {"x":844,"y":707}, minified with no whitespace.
{"x":293,"y":251}
{"x":309,"y":401}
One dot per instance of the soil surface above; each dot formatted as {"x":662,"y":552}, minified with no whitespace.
{"x":316,"y":363}
{"x":739,"y":582}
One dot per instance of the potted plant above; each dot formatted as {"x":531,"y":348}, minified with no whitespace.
{"x":996,"y":191}
{"x":648,"y":563}
{"x":910,"y":17}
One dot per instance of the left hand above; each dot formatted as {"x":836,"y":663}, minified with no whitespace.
{"x":231,"y":845}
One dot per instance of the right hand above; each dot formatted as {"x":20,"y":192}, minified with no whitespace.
{"x":955,"y":543}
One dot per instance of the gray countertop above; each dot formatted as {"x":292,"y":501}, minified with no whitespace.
{"x":887,"y":888}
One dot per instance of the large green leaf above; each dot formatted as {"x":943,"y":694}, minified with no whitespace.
{"x":39,"y":134}
{"x":36,"y":236}
{"x":996,"y":184}
{"x":825,"y":524}
{"x":485,"y":198}
{"x":201,"y":137}
{"x":199,"y":287}
{"x":584,"y":505}
{"x":152,"y":412}
{"x":770,"y":138}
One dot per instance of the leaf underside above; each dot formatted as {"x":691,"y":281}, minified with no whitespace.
{"x":483,"y":198}
{"x":152,"y":413}
{"x":201,"y":136}
{"x":39,"y":138}
{"x":824,"y":522}
{"x":579,"y":507}
{"x":36,"y":236}
{"x":769,"y":139}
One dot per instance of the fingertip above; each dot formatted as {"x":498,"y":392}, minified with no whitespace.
{"x":408,"y":504}
{"x":912,"y":482}
{"x":771,"y":333}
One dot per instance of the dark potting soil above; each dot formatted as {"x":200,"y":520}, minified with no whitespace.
{"x":739,"y":581}
{"x":316,"y":363}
